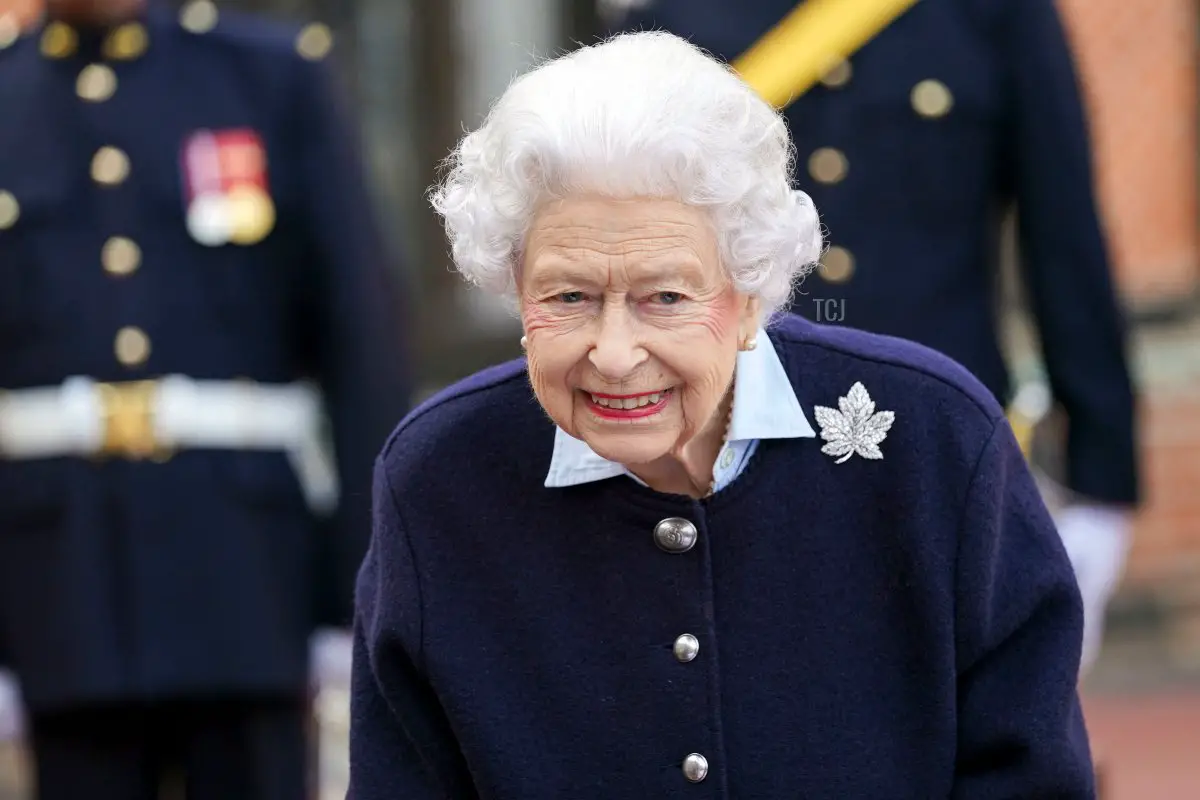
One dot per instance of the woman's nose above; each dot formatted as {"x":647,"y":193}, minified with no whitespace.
{"x":617,"y":352}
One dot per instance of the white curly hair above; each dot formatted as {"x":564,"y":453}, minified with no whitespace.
{"x":643,"y":114}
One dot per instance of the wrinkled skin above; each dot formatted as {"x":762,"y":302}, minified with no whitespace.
{"x":629,"y":297}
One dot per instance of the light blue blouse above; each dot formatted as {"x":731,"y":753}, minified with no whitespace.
{"x":764,"y":407}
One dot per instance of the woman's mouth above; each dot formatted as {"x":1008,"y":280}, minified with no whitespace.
{"x":628,"y":406}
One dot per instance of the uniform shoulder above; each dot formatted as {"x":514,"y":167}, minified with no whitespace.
{"x":822,"y":354}
{"x":247,"y":31}
{"x":20,"y":85}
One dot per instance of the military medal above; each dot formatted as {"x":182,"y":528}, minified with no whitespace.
{"x":226,"y":186}
{"x":244,"y":176}
{"x":207,"y":210}
{"x":208,"y":220}
{"x":252,"y":214}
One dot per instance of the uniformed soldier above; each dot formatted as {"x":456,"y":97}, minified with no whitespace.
{"x":914,"y":146}
{"x":190,"y":285}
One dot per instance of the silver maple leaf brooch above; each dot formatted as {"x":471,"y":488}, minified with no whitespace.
{"x":854,"y":426}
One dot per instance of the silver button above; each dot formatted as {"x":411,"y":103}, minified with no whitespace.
{"x":675,"y":535}
{"x":695,"y":767}
{"x":686,"y":647}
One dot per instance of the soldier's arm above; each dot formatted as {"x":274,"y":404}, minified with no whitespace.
{"x":1067,"y":271}
{"x":1065,"y":260}
{"x":357,"y":334}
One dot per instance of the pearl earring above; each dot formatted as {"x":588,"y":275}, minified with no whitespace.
{"x":750,"y":344}
{"x":524,"y":341}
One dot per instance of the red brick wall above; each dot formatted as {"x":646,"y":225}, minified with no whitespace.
{"x":1138,"y":63}
{"x":1168,"y":533}
{"x":1137,"y":59}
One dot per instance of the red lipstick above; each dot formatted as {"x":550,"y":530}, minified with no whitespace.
{"x":612,"y":406}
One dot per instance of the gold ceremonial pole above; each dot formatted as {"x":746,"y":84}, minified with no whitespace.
{"x":810,"y":40}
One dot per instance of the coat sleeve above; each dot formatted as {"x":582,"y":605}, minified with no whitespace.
{"x":354,"y":326}
{"x":1064,"y":255}
{"x":1019,"y":621}
{"x":401,"y":742}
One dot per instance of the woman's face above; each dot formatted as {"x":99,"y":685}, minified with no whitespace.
{"x":632,"y":324}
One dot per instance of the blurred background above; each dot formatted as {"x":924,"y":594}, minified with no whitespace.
{"x":419,"y":71}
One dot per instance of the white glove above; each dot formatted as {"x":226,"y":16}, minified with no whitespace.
{"x":1097,"y":540}
{"x":12,"y":715}
{"x":330,"y":653}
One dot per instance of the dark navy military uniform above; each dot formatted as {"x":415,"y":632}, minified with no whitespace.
{"x":912,"y":150}
{"x":163,"y":599}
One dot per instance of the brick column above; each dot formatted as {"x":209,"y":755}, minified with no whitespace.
{"x":1138,"y":65}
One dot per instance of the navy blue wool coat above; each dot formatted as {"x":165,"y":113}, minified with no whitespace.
{"x":898,"y":628}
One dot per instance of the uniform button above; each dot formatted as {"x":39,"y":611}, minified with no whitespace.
{"x":96,"y":83}
{"x":132,"y":346}
{"x":120,"y":256}
{"x":10,"y":210}
{"x":110,"y":166}
{"x":828,"y":165}
{"x":727,"y":457}
{"x":837,"y":265}
{"x":59,"y":40}
{"x":838,"y":75}
{"x":675,"y":535}
{"x":695,"y":767}
{"x":126,"y":42}
{"x":686,"y":647}
{"x":931,"y":99}
{"x":199,"y":16}
{"x":252,"y":214}
{"x":314,"y":42}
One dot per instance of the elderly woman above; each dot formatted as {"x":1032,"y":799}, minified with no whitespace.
{"x":690,"y":546}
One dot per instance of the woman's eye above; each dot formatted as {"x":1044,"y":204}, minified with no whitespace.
{"x":668,"y":298}
{"x":571,"y":297}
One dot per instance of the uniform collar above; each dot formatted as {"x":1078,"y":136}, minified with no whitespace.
{"x":125,"y":41}
{"x":764,"y":407}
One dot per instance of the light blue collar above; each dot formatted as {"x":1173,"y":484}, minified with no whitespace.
{"x":764,"y":407}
